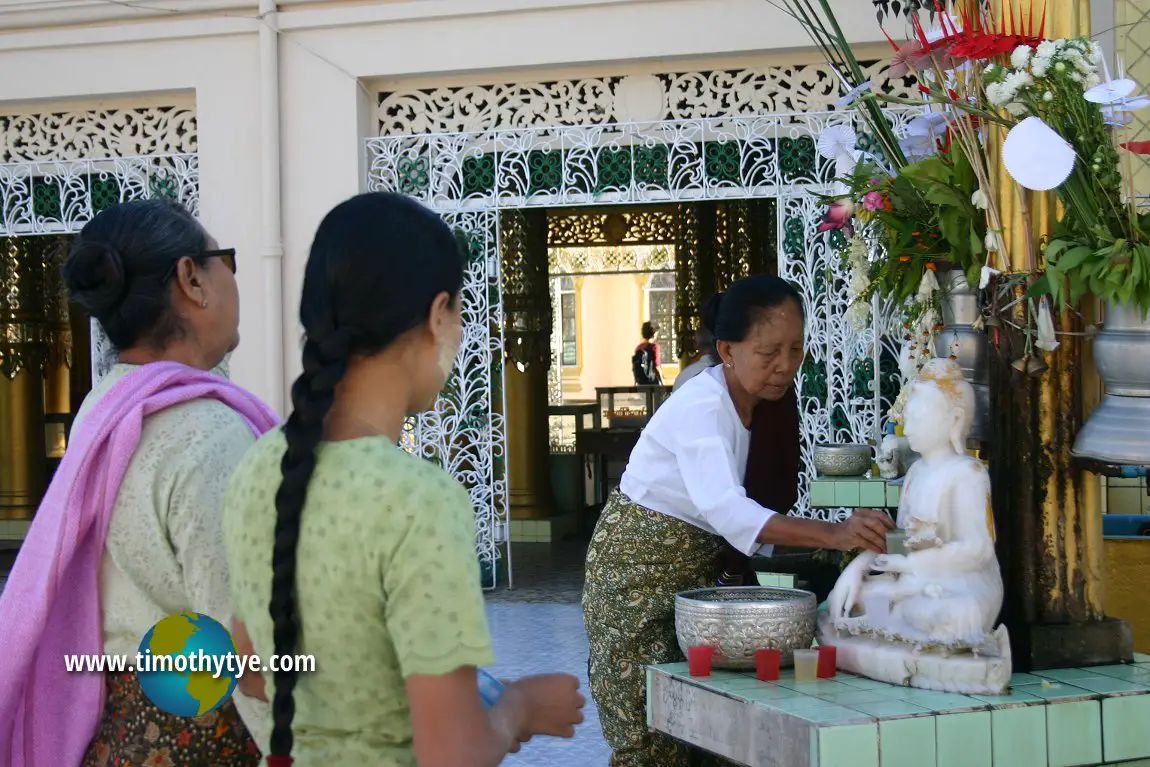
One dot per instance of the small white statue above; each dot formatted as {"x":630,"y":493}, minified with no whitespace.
{"x":889,"y":457}
{"x":926,"y":617}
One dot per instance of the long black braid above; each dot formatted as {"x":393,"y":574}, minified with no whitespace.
{"x":324,"y":364}
{"x":376,"y":266}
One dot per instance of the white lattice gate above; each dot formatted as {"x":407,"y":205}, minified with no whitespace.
{"x":470,"y":177}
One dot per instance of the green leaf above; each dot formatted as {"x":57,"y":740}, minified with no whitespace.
{"x":1040,"y":288}
{"x":976,"y":244}
{"x":1074,"y":258}
{"x":950,"y":223}
{"x":932,"y":169}
{"x":941,"y":194}
{"x":974,"y":275}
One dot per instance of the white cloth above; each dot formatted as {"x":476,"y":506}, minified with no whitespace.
{"x":165,"y":549}
{"x":690,"y":461}
{"x":698,"y":366}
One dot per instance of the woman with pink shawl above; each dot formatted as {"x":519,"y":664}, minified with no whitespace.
{"x":129,"y":530}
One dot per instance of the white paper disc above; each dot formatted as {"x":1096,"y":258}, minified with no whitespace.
{"x":837,"y":140}
{"x":1037,"y":157}
{"x":1108,"y":93}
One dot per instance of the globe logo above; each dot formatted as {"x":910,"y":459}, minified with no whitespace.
{"x":186,"y":664}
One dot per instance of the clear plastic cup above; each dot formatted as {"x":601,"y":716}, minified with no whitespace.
{"x":806,"y":665}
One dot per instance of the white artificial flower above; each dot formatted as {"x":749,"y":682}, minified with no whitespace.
{"x":1045,"y":50}
{"x":992,"y":241}
{"x":858,"y":316}
{"x":986,"y":275}
{"x":1016,"y":109}
{"x":1016,"y":81}
{"x":995,"y":93}
{"x":1096,"y":54}
{"x":1091,"y":81}
{"x":1040,"y":67}
{"x":1021,"y":57}
{"x":1048,"y":97}
{"x":1047,"y":340}
{"x":979,"y":199}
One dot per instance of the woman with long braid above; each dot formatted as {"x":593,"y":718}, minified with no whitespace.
{"x":372,"y":550}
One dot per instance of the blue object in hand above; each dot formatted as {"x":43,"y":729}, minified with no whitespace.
{"x":490,"y":689}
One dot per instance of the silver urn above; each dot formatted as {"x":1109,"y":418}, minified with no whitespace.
{"x":1118,"y":431}
{"x":738,"y":621}
{"x":960,"y":310}
{"x":843,"y":460}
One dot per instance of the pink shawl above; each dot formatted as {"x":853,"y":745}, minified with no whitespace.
{"x":51,"y":605}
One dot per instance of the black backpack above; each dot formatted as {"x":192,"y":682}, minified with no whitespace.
{"x":643,"y":366}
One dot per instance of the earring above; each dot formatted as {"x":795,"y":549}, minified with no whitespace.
{"x":204,"y":304}
{"x":730,"y":364}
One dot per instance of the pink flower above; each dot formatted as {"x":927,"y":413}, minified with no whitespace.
{"x":873,"y":201}
{"x":839,"y":216}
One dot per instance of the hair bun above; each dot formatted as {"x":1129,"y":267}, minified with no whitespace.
{"x":94,"y":273}
{"x":709,"y":313}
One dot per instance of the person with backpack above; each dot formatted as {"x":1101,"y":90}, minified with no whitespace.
{"x":647,"y":360}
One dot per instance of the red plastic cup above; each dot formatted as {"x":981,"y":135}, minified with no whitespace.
{"x":828,"y":662}
{"x":767,"y":664}
{"x":699,"y":660}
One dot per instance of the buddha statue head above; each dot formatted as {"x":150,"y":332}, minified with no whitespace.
{"x":939,"y":409}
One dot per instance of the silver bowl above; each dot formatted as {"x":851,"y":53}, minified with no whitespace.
{"x":843,"y":460}
{"x":737,"y":621}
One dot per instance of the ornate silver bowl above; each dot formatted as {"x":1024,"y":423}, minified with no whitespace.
{"x":843,"y":460}
{"x":738,"y":621}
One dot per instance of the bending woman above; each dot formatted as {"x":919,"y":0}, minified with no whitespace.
{"x":372,"y":550}
{"x":129,"y":530}
{"x":681,"y":500}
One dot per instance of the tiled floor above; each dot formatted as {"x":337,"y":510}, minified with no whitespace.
{"x":550,"y":573}
{"x":538,"y":627}
{"x":539,"y":638}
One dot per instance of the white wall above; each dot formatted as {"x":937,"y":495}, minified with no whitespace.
{"x":327,"y":51}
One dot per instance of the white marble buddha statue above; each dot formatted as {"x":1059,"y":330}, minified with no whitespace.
{"x":942,"y":596}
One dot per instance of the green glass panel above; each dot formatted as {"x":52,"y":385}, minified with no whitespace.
{"x":721,"y":159}
{"x":890,"y":379}
{"x":478,"y":175}
{"x":815,"y":380}
{"x":545,"y":171}
{"x":863,"y":375}
{"x":794,"y":237}
{"x":839,"y":420}
{"x":651,"y":165}
{"x":614,"y":169}
{"x":105,"y":193}
{"x":797,"y":158}
{"x":414,"y":175}
{"x":164,"y":187}
{"x":45,"y":198}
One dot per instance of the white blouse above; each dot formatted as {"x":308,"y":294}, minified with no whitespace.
{"x":690,"y":462}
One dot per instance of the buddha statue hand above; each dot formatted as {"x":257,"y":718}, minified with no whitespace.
{"x":892,"y":563}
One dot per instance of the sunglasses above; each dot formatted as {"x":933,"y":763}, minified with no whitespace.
{"x":227,"y":255}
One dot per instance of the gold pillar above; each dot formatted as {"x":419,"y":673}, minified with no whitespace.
{"x":527,"y":451}
{"x":1048,"y":512}
{"x":22,"y":334}
{"x":22,"y":450}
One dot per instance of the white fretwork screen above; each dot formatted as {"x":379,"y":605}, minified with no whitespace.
{"x":59,"y":169}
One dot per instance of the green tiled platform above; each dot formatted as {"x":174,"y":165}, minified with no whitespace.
{"x":854,"y":492}
{"x":1064,"y":718}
